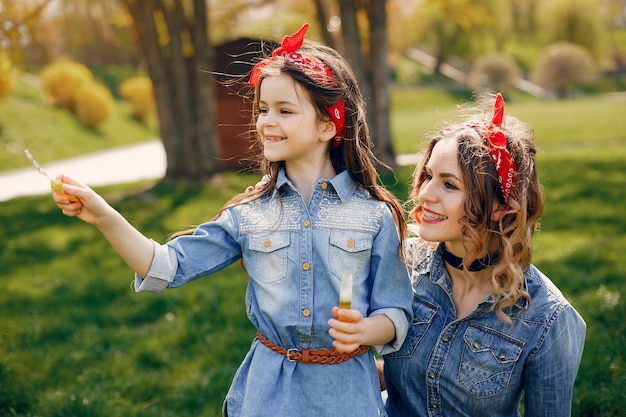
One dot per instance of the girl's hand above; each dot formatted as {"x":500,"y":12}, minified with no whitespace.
{"x":347,"y":328}
{"x":78,"y":200}
{"x":259,"y":185}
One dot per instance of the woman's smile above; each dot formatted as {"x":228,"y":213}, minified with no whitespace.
{"x":429,"y":216}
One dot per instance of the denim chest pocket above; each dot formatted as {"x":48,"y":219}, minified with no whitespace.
{"x":423,"y":314}
{"x":349,"y":253}
{"x":488,"y":360}
{"x":268,"y":257}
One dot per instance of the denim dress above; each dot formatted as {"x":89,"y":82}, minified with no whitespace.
{"x":296,"y":257}
{"x":479,"y":365}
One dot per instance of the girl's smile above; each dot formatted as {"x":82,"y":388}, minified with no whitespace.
{"x":289,"y":125}
{"x":270,"y":138}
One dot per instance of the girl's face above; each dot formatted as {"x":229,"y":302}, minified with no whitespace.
{"x":442,"y":197}
{"x":289,"y":125}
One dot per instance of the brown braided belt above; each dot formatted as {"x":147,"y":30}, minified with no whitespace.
{"x":313,"y":356}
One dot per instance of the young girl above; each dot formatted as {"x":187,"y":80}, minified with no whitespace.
{"x":488,"y":328}
{"x":321,"y":220}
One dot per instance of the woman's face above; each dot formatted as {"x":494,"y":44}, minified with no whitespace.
{"x":442,"y":196}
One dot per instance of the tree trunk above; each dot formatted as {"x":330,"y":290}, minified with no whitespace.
{"x":176,"y":51}
{"x":377,"y":17}
{"x":322,"y":18}
{"x":352,"y":45}
{"x":371,"y":70}
{"x":353,"y":51}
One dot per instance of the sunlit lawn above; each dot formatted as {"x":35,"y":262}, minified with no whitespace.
{"x":53,"y":133}
{"x":76,"y":341}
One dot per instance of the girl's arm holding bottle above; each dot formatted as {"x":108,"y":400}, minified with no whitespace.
{"x":135,"y":249}
{"x":350,"y":329}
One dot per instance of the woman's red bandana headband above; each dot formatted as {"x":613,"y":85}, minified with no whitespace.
{"x":505,"y":165}
{"x":312,"y":67}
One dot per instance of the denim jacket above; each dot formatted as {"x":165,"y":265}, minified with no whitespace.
{"x":479,"y":365}
{"x":296,"y":257}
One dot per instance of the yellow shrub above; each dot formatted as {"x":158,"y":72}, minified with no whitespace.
{"x":138,"y":91}
{"x":63,"y":80}
{"x":7,"y":75}
{"x":94,"y":104}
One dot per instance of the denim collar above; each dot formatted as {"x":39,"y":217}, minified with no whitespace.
{"x":439,"y":275}
{"x":342,"y":183}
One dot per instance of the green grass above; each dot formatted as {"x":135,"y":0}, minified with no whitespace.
{"x":586,"y":121}
{"x":76,"y":341}
{"x":51,"y":133}
{"x":581,"y":248}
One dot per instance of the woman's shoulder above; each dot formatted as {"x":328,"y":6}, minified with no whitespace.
{"x":539,"y":286}
{"x":547,"y":300}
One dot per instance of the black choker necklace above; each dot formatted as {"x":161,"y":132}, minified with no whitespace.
{"x":456,"y":262}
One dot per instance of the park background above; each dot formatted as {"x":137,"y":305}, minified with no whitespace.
{"x":76,"y":341}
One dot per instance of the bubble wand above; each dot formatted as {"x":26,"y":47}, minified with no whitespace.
{"x":55,"y":184}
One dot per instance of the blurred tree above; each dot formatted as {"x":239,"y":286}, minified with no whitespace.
{"x":562,"y":66}
{"x":497,"y":72}
{"x":380,"y":81}
{"x":94,"y":104}
{"x":7,"y":75}
{"x":139,"y":93}
{"x":18,"y":25}
{"x":364,"y":43}
{"x":173,"y":40}
{"x":615,"y":16}
{"x":575,"y":21}
{"x":523,"y":15}
{"x":105,"y":34}
{"x":62,"y":80}
{"x":451,"y":25}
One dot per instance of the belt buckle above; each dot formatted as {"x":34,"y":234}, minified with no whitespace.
{"x":289,"y":353}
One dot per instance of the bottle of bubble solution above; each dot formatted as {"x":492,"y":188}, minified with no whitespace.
{"x":55,"y":183}
{"x":345,"y":293}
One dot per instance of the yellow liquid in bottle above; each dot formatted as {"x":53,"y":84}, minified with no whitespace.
{"x":345,"y":292}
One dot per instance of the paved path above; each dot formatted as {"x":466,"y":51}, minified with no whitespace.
{"x":132,"y":163}
{"x":144,"y":160}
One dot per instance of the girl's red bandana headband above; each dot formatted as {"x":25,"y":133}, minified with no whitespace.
{"x":505,"y":165}
{"x":314,"y":68}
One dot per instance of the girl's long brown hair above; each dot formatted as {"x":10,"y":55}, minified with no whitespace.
{"x":354,"y":154}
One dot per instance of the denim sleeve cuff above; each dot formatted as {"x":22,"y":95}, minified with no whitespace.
{"x":400,"y":323}
{"x":162,"y":270}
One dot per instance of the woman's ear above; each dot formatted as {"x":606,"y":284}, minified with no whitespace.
{"x":499,"y":210}
{"x":328,"y":130}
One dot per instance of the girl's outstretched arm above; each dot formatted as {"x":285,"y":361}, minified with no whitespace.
{"x":350,"y":329}
{"x":133,"y":247}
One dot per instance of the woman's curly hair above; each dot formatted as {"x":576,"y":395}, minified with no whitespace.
{"x":508,"y":239}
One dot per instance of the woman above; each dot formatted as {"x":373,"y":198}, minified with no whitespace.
{"x":489,"y":328}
